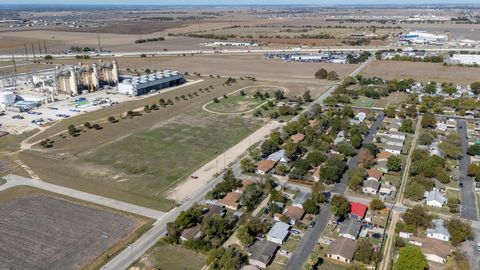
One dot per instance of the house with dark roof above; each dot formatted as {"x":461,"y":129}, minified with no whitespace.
{"x":358,"y":211}
{"x":342,"y":250}
{"x":261,"y":253}
{"x":191,"y":233}
{"x":294,"y":214}
{"x":350,"y":229}
{"x":212,"y":210}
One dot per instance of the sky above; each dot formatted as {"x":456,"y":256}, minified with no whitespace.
{"x":240,"y":2}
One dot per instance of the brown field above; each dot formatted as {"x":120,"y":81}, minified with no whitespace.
{"x":46,"y":231}
{"x":233,"y":65}
{"x":422,"y":72}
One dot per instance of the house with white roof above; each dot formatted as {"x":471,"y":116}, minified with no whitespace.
{"x":438,"y":231}
{"x":278,"y":233}
{"x":434,"y":198}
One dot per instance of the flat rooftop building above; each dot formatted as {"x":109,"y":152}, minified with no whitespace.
{"x":137,"y":86}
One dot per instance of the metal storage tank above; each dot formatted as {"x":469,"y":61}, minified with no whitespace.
{"x":7,"y":97}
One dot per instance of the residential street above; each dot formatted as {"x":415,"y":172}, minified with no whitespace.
{"x":312,"y":235}
{"x":468,"y":208}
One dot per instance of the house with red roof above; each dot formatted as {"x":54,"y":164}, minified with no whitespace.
{"x":358,"y":211}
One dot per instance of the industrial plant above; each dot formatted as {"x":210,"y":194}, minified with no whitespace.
{"x":82,"y":79}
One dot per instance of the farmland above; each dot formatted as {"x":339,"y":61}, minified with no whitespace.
{"x":38,"y":230}
{"x":421,"y":72}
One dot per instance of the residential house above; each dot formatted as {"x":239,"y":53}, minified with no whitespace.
{"x":395,"y":125}
{"x":451,"y":123}
{"x":381,"y":166}
{"x":434,"y":149}
{"x":296,"y":138}
{"x":383,"y":156}
{"x":340,"y":138}
{"x":439,"y":186}
{"x":394,"y":135}
{"x":358,"y":211}
{"x":212,"y":210}
{"x":300,"y":198}
{"x":438,"y":231}
{"x":261,"y":253}
{"x":342,"y":249}
{"x":433,"y":249}
{"x":278,"y":233}
{"x":245,"y":184}
{"x":350,"y":229}
{"x":278,"y":156}
{"x":374,"y":174}
{"x":387,"y":191}
{"x":191,"y":233}
{"x":396,"y":150}
{"x":394,"y":141}
{"x":313,"y":123}
{"x":230,"y":201}
{"x":361,"y":116}
{"x":265,"y":166}
{"x":294,"y":214}
{"x":434,"y":198}
{"x":370,"y":187}
{"x":442,"y":126}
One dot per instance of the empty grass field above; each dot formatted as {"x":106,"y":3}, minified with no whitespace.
{"x":165,"y":256}
{"x":363,"y":102}
{"x":39,"y":231}
{"x":238,"y":103}
{"x":140,"y":167}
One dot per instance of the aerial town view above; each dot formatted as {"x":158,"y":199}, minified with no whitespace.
{"x":296,"y":135}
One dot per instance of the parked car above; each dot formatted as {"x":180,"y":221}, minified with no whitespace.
{"x":283,"y":252}
{"x":293,"y":231}
{"x":312,"y":224}
{"x":478,"y":246}
{"x":377,"y":235}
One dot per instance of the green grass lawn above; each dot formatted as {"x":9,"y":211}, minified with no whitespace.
{"x":235,"y":104}
{"x":151,"y":161}
{"x":2,"y":181}
{"x":393,"y":179}
{"x":165,"y":256}
{"x":363,"y":102}
{"x":291,"y":244}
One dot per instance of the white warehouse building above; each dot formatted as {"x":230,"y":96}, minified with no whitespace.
{"x":463,"y":59}
{"x":152,"y":82}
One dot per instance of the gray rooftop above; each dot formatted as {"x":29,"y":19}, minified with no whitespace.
{"x":435,"y":195}
{"x":262,"y":251}
{"x":350,"y":227}
{"x":277,"y":156}
{"x":279,"y":230}
{"x":371,"y":184}
{"x":438,"y":227}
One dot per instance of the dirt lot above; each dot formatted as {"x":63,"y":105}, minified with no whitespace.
{"x":39,"y":231}
{"x":422,"y":72}
{"x":233,"y":65}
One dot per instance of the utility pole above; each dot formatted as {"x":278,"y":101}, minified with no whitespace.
{"x":26,"y":51}
{"x":45,"y":47}
{"x":39,"y":48}
{"x":14,"y":64}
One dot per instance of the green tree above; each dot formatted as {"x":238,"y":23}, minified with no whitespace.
{"x":310,"y":207}
{"x":428,"y":121}
{"x":72,"y":130}
{"x":414,"y":191}
{"x":321,"y":74}
{"x":306,"y":96}
{"x":417,"y":216}
{"x":394,"y":163}
{"x":251,"y":197}
{"x":244,"y":235}
{"x":411,"y":258}
{"x":377,"y":204}
{"x":269,"y":146}
{"x":340,"y":206}
{"x":364,"y":252}
{"x":332,"y":75}
{"x":407,"y":126}
{"x":475,"y":86}
{"x":411,"y":111}
{"x":318,"y":192}
{"x":281,"y":169}
{"x":474,"y":150}
{"x":459,"y":231}
{"x":390,"y":111}
{"x":247,"y":165}
{"x":225,"y":258}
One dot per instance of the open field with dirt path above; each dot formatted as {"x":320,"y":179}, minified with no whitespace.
{"x":421,"y":71}
{"x":41,"y":230}
{"x":167,"y":256}
{"x":230,"y":65}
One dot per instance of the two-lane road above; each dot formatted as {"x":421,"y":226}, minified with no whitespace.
{"x":468,"y":208}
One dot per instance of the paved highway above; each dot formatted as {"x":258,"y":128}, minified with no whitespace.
{"x":311,"y":236}
{"x":239,"y":51}
{"x":468,"y":208}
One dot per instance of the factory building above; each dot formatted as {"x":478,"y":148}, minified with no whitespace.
{"x":463,"y":59}
{"x":80,"y":79}
{"x":7,"y":98}
{"x":140,"y":85}
{"x":424,"y":38}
